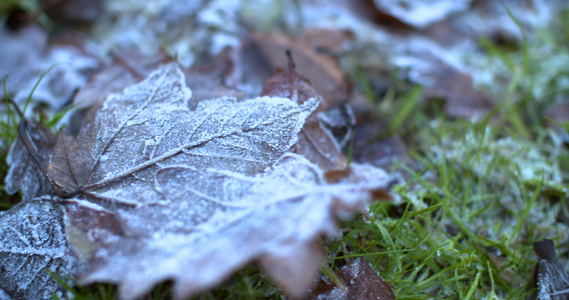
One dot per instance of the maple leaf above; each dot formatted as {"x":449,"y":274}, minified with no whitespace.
{"x":152,"y":190}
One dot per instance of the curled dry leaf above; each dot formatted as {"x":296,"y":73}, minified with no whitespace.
{"x":552,"y":279}
{"x":360,"y":282}
{"x":25,"y":172}
{"x":154,"y":191}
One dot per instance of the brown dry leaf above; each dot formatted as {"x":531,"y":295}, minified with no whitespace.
{"x":462,"y":98}
{"x":153,"y":191}
{"x":552,"y":279}
{"x":26,"y":172}
{"x":325,"y":41}
{"x":315,"y":141}
{"x":360,"y":281}
{"x":321,"y":69}
{"x":208,"y":84}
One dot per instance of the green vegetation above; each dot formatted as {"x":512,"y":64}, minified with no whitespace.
{"x":463,"y":225}
{"x":9,"y":132}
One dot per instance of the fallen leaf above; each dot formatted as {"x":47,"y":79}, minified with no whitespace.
{"x":360,"y":281}
{"x":457,"y":88}
{"x":207,"y":84}
{"x":151,"y":124}
{"x":32,"y":243}
{"x":153,"y":191}
{"x":325,"y":41}
{"x":552,"y":279}
{"x":321,"y":69}
{"x":315,"y":141}
{"x":25,"y":173}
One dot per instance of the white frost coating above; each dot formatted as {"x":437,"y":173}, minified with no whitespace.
{"x":88,"y":204}
{"x":182,"y":28}
{"x":277,"y":214}
{"x":421,"y":13}
{"x":181,"y":194}
{"x":153,"y":118}
{"x":182,"y":187}
{"x":33,"y":239}
{"x":30,"y":56}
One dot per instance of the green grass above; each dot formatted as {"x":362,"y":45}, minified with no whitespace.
{"x":462,"y":226}
{"x":9,"y":132}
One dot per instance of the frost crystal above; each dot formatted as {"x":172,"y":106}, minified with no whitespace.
{"x":154,"y":191}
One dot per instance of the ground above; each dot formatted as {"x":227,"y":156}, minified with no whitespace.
{"x":459,"y":104}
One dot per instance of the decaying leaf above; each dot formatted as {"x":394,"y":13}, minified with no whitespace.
{"x":150,"y":126}
{"x":321,"y":69}
{"x":152,"y":190}
{"x":360,"y":282}
{"x":316,"y":140}
{"x":25,"y":172}
{"x":552,"y":279}
{"x":457,"y":88}
{"x":32,"y":243}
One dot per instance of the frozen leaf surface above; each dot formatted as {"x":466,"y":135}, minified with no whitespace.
{"x":216,"y":221}
{"x":150,"y":126}
{"x":552,"y":279}
{"x":32,"y":242}
{"x":153,"y":190}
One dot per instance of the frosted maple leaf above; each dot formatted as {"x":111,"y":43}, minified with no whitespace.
{"x":151,"y":190}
